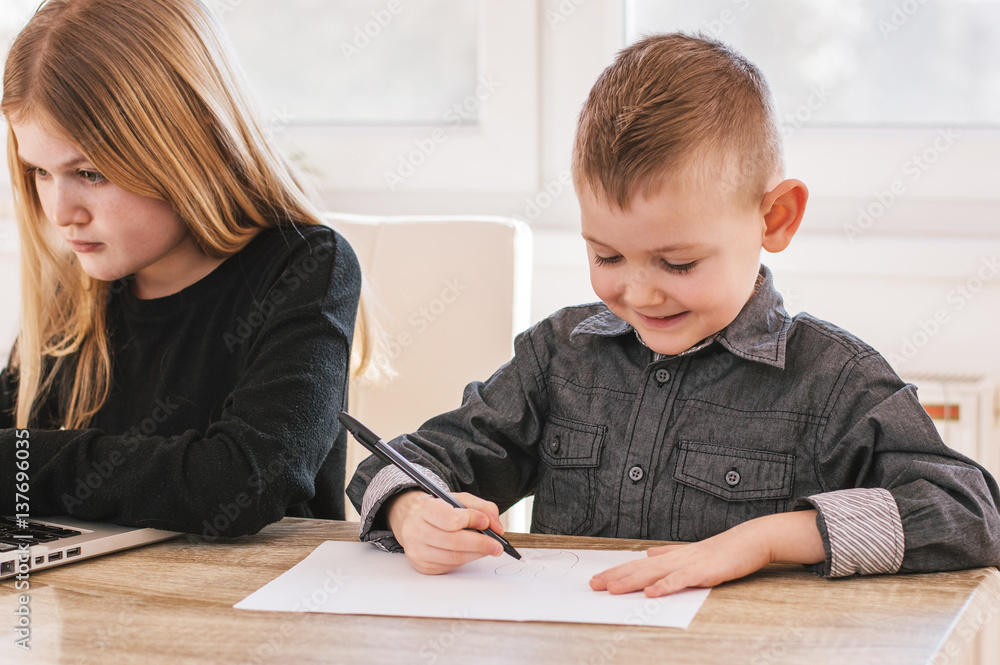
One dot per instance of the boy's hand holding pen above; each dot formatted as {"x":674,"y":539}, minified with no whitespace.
{"x":437,"y":530}
{"x":437,"y":537}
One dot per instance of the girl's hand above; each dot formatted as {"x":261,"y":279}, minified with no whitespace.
{"x":436,"y":536}
{"x":732,"y":554}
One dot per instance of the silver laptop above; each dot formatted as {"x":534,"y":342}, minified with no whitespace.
{"x":54,"y":541}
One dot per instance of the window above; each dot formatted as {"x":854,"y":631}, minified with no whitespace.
{"x":857,"y":62}
{"x":387,"y":96}
{"x":890,"y":108}
{"x":13,"y":15}
{"x":366,"y":62}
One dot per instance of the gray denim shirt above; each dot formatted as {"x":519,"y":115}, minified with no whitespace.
{"x":777,"y":413}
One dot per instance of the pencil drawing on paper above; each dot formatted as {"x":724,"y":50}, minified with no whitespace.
{"x":541,"y":564}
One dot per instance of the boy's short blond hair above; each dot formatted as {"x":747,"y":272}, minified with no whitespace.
{"x":678,"y":106}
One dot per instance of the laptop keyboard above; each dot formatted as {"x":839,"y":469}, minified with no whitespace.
{"x":40,"y":533}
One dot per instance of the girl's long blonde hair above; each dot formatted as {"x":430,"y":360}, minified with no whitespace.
{"x":150,"y":92}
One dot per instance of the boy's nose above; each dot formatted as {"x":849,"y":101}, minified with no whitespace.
{"x":641,"y":289}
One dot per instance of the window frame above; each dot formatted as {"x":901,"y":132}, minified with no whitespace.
{"x":497,"y":153}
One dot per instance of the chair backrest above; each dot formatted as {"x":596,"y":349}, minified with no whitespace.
{"x":450,"y":293}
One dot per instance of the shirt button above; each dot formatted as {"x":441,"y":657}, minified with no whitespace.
{"x":733,"y":478}
{"x":635,"y":473}
{"x":554,"y":444}
{"x":662,"y":376}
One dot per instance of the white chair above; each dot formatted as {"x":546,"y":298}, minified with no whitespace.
{"x":450,"y":293}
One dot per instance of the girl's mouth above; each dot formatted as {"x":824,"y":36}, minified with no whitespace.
{"x":85,"y":247}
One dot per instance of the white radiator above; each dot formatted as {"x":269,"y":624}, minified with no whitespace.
{"x":966,"y":411}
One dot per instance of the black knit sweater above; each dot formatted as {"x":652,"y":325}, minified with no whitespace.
{"x":222,"y":415}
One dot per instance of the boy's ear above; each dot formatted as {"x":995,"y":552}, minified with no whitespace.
{"x":783,"y":208}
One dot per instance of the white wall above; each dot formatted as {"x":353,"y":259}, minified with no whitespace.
{"x":9,"y":285}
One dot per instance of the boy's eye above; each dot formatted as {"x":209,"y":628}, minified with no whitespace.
{"x":606,"y":260}
{"x":92,"y":177}
{"x":678,"y":268}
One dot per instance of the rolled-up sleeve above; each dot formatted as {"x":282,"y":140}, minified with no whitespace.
{"x":912,"y":504}
{"x":385,"y":484}
{"x":861,"y":530}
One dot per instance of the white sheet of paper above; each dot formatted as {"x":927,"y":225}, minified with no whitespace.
{"x":547,"y":585}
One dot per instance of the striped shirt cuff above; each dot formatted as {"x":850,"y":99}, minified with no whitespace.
{"x":862,"y":531}
{"x":386,"y":483}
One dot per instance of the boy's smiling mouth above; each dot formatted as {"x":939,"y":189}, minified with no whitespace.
{"x":662,"y":321}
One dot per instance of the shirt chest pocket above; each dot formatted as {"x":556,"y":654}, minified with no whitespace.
{"x":719,"y":487}
{"x":567,"y":485}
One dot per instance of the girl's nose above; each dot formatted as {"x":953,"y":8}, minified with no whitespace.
{"x":65,"y":206}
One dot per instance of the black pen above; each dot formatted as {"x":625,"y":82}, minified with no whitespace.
{"x":380,"y":449}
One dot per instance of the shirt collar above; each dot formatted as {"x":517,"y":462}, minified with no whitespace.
{"x":758,"y":333}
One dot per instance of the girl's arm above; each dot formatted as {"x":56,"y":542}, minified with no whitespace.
{"x":8,"y":399}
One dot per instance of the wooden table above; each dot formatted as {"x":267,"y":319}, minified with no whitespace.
{"x":172,"y":603}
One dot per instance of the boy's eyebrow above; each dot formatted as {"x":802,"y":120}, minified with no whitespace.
{"x":676,"y":248}
{"x":659,"y":250}
{"x":592,"y":239}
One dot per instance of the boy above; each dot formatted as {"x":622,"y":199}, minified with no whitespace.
{"x":689,"y":406}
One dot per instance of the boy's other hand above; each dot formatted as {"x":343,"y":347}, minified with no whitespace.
{"x":436,"y":536}
{"x":744,"y":549}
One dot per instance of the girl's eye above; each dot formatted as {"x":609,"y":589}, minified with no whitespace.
{"x":92,"y":177}
{"x":606,"y":260}
{"x":679,"y":269}
{"x":35,"y":172}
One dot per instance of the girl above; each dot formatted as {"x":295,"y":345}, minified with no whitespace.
{"x":186,"y":320}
